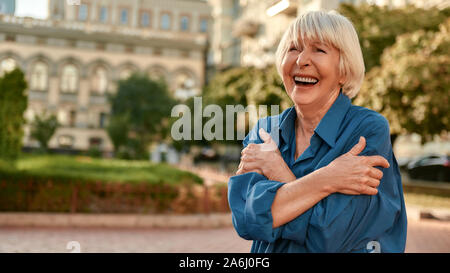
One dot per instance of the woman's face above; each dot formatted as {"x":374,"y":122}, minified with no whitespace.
{"x":311,"y":73}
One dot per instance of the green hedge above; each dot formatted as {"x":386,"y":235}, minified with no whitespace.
{"x":80,"y":184}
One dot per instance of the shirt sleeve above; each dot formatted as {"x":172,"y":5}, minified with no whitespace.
{"x":346,"y":223}
{"x":250,"y":198}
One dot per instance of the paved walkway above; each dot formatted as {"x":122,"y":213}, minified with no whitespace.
{"x":423,"y":236}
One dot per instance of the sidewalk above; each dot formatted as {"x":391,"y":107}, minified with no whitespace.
{"x":78,"y":220}
{"x":213,"y":220}
{"x":428,"y":236}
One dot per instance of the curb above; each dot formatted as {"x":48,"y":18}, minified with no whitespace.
{"x":213,"y":220}
{"x":421,"y":213}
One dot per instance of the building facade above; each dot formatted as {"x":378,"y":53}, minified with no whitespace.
{"x":262,"y":22}
{"x":73,"y":59}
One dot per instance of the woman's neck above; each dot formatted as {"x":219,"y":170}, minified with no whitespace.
{"x":309,"y":116}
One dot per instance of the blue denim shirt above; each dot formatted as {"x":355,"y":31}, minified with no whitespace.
{"x":339,"y":222}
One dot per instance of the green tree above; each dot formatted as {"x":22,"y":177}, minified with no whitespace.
{"x":13,"y":103}
{"x":118,"y":131}
{"x":411,"y":86}
{"x":247,"y":86}
{"x":141,"y":107}
{"x":42,"y":129}
{"x":378,"y":27}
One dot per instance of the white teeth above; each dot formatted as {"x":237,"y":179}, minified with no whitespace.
{"x":305,"y":79}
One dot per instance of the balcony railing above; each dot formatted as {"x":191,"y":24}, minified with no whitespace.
{"x":92,"y":27}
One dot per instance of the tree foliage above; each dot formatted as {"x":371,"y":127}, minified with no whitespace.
{"x":378,"y":26}
{"x":42,"y":129}
{"x":139,"y":112}
{"x":13,"y":103}
{"x":247,"y":85}
{"x":411,"y":86}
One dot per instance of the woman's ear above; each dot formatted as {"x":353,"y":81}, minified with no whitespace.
{"x":342,"y":80}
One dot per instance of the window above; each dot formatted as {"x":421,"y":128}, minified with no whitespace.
{"x":82,"y":12}
{"x":124,"y":16}
{"x":184,"y":86}
{"x":157,"y":74}
{"x":72,"y":117}
{"x":95,"y":142}
{"x":7,"y":65}
{"x":62,"y":117}
{"x":67,"y":118}
{"x":125,"y":73}
{"x":66,"y":141}
{"x":39,"y":76}
{"x":102,"y":120}
{"x":69,"y":79}
{"x":165,"y":21}
{"x":203,"y":25}
{"x":184,"y":23}
{"x":103,"y":14}
{"x":99,"y":82}
{"x":145,"y":19}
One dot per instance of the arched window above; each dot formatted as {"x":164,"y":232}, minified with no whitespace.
{"x":184,"y":86}
{"x":124,"y":16}
{"x":165,"y":21}
{"x":145,"y":19}
{"x":69,"y":78}
{"x":125,"y":73}
{"x":157,"y":73}
{"x":99,"y":82}
{"x":39,"y":76}
{"x":184,"y":23}
{"x":7,"y":65}
{"x":203,"y":25}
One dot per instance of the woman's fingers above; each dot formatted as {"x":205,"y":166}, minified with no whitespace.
{"x":375,"y":173}
{"x":243,"y":171}
{"x":371,"y":182}
{"x":359,"y":147}
{"x":246,"y":166}
{"x":376,"y":160}
{"x":370,"y":191}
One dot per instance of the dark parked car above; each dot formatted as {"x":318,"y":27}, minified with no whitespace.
{"x":431,"y":167}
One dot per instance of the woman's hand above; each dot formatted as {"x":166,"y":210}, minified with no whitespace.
{"x":353,"y":174}
{"x":265,"y":159}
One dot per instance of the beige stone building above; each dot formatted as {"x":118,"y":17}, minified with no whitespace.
{"x":262,"y":22}
{"x":73,"y":59}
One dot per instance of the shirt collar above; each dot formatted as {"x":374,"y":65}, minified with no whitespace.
{"x":327,"y":128}
{"x":329,"y":125}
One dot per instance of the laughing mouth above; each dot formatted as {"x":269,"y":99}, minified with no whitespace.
{"x":305,"y":81}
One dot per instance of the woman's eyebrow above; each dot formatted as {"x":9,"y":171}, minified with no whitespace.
{"x":320,"y":44}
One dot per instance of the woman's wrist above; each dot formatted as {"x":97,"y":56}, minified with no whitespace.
{"x":279,"y":171}
{"x":326,"y":180}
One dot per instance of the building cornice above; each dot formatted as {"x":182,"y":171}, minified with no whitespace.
{"x":102,"y":33}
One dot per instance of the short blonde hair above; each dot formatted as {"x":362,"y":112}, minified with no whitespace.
{"x":334,"y":29}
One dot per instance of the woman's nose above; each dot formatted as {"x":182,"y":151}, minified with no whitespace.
{"x":303,"y":58}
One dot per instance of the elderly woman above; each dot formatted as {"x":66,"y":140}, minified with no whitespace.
{"x":324,"y":178}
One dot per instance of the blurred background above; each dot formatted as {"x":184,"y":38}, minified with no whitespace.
{"x":87,"y":89}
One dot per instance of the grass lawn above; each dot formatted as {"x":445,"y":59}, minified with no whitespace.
{"x":110,"y":170}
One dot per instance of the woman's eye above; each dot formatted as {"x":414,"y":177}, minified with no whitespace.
{"x":321,"y":50}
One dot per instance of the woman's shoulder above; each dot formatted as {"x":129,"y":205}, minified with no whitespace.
{"x":367,"y":117}
{"x":275,"y":121}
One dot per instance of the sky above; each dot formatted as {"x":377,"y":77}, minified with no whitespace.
{"x":32,"y":8}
